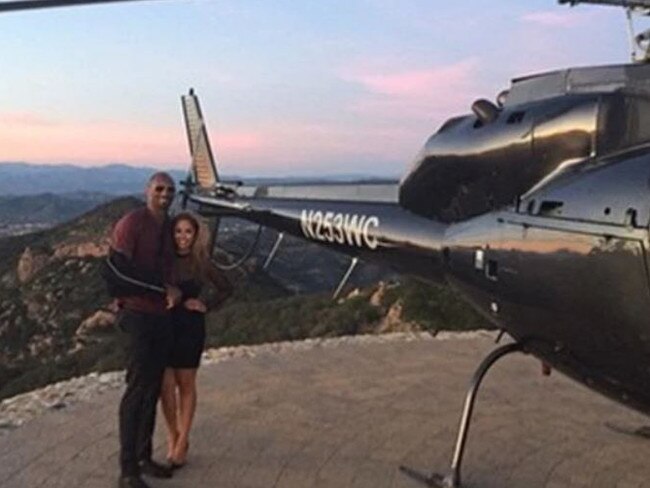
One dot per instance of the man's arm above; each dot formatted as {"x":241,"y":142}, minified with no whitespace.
{"x":123,"y":276}
{"x":221,"y":284}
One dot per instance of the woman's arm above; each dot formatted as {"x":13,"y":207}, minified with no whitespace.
{"x":195,"y":305}
{"x":221,"y":284}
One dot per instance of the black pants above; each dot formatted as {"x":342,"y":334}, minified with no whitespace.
{"x":149,"y":344}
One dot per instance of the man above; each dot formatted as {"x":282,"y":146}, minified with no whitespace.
{"x":139,"y":268}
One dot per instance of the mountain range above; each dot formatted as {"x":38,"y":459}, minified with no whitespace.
{"x":46,"y":208}
{"x":116,"y":179}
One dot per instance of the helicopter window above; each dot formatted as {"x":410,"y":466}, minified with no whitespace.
{"x":516,"y":117}
{"x":550,"y":207}
{"x":624,"y":123}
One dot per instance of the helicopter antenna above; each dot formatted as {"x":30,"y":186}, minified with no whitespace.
{"x":639,"y":43}
{"x":14,"y":5}
{"x":630,"y":30}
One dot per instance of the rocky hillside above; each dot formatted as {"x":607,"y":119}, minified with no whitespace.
{"x":56,"y":320}
{"x":51,"y":295}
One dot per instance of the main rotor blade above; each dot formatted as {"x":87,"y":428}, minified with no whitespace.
{"x":617,"y":3}
{"x":13,"y":5}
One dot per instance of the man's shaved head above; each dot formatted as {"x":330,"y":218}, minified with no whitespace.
{"x":160,"y":176}
{"x":160,"y":192}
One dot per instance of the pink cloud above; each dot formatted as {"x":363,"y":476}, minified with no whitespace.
{"x":542,"y":41}
{"x":30,"y":137}
{"x":424,"y":96}
{"x":26,"y":118}
{"x":277,"y":147}
{"x":556,"y":19}
{"x":286,"y":147}
{"x":238,"y":141}
{"x":414,"y":83}
{"x":388,"y":121}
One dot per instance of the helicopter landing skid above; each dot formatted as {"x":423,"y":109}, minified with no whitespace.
{"x":434,"y":480}
{"x":452,"y":480}
{"x":638,"y":432}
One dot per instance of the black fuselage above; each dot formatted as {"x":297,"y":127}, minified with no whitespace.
{"x":566,"y":273}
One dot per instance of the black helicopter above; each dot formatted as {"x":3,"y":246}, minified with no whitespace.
{"x":535,"y":208}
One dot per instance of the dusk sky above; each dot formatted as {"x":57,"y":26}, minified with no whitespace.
{"x":287,"y":87}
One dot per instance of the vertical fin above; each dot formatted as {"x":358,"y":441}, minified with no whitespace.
{"x":204,"y":169}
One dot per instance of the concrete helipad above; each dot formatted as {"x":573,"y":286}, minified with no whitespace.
{"x":348,"y":416}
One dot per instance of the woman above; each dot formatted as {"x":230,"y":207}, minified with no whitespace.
{"x":192,"y":269}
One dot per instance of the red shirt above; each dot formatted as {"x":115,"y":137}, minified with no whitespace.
{"x":147,"y":242}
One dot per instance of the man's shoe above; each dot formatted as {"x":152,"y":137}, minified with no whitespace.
{"x":132,"y":482}
{"x":154,"y":469}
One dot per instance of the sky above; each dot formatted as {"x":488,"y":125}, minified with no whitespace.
{"x":310,"y":87}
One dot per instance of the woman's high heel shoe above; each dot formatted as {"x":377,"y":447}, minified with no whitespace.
{"x":172,"y":439}
{"x":177,"y":462}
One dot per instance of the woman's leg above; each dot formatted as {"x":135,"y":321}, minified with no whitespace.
{"x":169,"y":407}
{"x":186,"y":380}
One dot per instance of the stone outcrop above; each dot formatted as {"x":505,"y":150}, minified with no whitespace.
{"x":393,"y":321}
{"x":82,"y":250}
{"x":377,"y":298}
{"x":40,"y":344}
{"x":29,"y":264}
{"x":102,"y":319}
{"x":353,"y":294}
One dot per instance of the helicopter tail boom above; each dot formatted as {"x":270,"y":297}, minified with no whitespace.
{"x":376,"y":231}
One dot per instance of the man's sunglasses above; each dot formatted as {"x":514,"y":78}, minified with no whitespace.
{"x":161,"y":188}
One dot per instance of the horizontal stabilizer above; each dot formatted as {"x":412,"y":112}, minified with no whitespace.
{"x":368,"y":191}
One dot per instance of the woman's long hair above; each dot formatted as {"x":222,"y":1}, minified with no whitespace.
{"x":199,"y":253}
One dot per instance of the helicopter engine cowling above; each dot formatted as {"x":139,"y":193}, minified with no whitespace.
{"x":475,"y":164}
{"x":469,"y":167}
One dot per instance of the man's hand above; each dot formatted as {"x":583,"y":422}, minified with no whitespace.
{"x":195,"y":305}
{"x":173,"y":296}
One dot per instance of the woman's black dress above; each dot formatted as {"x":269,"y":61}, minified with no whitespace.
{"x":189,"y":330}
{"x":189,"y":326}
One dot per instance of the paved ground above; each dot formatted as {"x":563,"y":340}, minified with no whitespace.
{"x":348,"y":417}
